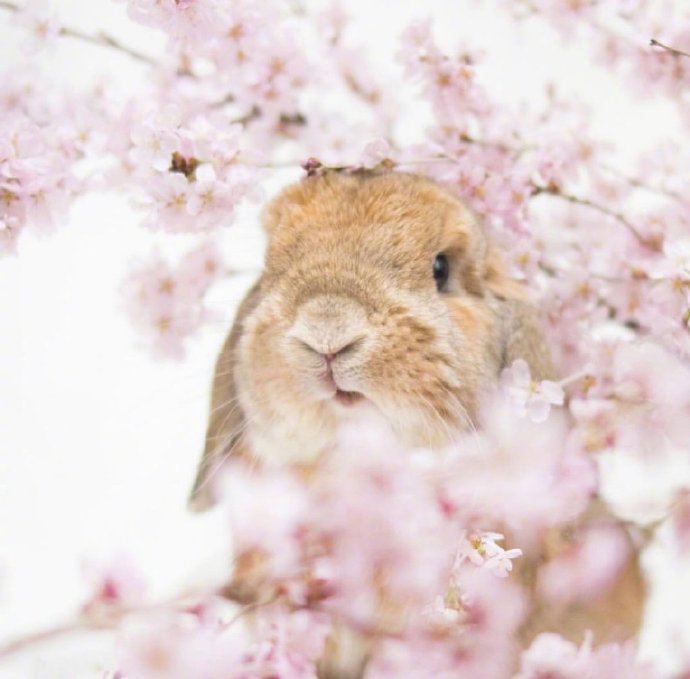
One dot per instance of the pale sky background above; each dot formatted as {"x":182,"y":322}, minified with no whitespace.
{"x":98,"y":443}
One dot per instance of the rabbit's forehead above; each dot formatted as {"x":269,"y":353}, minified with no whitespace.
{"x":397,"y":224}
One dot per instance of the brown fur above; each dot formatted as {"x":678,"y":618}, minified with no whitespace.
{"x":226,"y":419}
{"x":349,"y":264}
{"x":615,"y":615}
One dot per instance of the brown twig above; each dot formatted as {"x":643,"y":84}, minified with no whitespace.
{"x":671,"y":50}
{"x":17,"y":645}
{"x":100,"y":619}
{"x":100,"y":39}
{"x":248,"y":608}
{"x":639,"y":184}
{"x":253,"y":113}
{"x":586,"y":202}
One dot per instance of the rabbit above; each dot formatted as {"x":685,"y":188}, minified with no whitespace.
{"x":349,"y":306}
{"x":379,"y":288}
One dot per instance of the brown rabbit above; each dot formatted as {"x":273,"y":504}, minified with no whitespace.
{"x":380,"y":289}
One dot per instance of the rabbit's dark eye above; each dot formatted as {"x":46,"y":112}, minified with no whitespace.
{"x":441,"y":271}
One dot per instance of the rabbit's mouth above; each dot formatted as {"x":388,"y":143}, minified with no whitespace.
{"x":347,"y":398}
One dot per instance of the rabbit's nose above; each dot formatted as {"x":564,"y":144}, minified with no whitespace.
{"x":330,"y":352}
{"x":330,"y":326}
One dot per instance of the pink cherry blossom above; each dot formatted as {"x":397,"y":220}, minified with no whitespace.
{"x":520,"y":474}
{"x":166,"y":647}
{"x":154,"y":142}
{"x":166,"y":303}
{"x":183,"y":20}
{"x":530,"y":398}
{"x":268,"y":514}
{"x":481,"y":549}
{"x":41,"y":23}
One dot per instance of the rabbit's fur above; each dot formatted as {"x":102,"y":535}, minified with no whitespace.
{"x":348,"y":273}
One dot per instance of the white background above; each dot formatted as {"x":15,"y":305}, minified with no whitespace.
{"x":98,"y":443}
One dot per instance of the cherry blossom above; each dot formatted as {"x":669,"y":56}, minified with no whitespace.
{"x":524,"y":475}
{"x":183,"y":20}
{"x":531,"y":398}
{"x":166,"y":302}
{"x":41,"y":23}
{"x":481,"y":549}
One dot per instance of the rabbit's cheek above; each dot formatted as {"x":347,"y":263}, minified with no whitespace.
{"x":477,"y":327}
{"x":411,"y":378}
{"x":472,"y":319}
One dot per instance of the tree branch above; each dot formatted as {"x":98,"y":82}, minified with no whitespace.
{"x":672,"y":50}
{"x":110,"y":617}
{"x":639,"y":184}
{"x":103,"y":618}
{"x":64,"y":629}
{"x":100,"y":39}
{"x":586,"y":202}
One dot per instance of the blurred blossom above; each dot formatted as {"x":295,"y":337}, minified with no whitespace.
{"x":166,"y":648}
{"x":638,"y":402}
{"x":375,"y":152}
{"x":184,"y":20}
{"x":552,"y":656}
{"x":585,"y":569}
{"x":115,"y":582}
{"x":41,"y":22}
{"x":521,"y":474}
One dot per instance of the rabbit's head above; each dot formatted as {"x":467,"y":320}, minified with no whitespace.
{"x":380,"y":292}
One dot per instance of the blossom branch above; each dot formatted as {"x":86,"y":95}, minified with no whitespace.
{"x":104,"y":618}
{"x":639,"y":184}
{"x":101,"y":39}
{"x":586,"y":202}
{"x":111,"y":616}
{"x":49,"y":634}
{"x":671,"y":50}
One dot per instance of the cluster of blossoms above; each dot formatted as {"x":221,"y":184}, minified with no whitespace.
{"x":38,"y":158}
{"x":191,"y":179}
{"x":620,"y":32}
{"x":409,"y":565}
{"x":166,"y":303}
{"x":413,"y":589}
{"x":245,"y":49}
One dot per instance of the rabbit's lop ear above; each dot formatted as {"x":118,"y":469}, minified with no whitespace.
{"x":524,"y":339}
{"x":226,"y":420}
{"x":521,"y":330}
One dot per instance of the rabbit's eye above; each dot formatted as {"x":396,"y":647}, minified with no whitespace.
{"x":441,"y":271}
